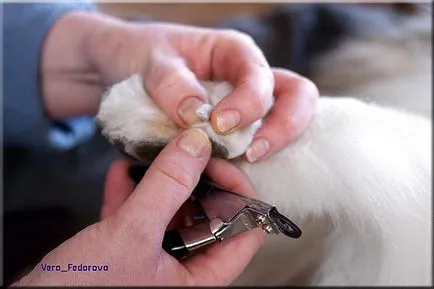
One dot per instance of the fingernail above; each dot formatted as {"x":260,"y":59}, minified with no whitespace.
{"x":228,"y":120}
{"x":257,"y":149}
{"x":187,"y":110}
{"x":195,"y":142}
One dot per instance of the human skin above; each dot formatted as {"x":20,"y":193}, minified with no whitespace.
{"x":84,"y":53}
{"x":128,"y":239}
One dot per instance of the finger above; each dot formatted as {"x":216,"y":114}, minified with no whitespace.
{"x":230,"y":177}
{"x":292,"y":112}
{"x":117,"y":188}
{"x":174,"y":89}
{"x":169,"y":181}
{"x":221,"y":263}
{"x":237,"y":59}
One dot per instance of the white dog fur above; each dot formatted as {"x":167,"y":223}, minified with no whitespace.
{"x":358,"y":182}
{"x":159,"y":129}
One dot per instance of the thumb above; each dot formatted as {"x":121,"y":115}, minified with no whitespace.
{"x":170,"y":179}
{"x":174,"y":88}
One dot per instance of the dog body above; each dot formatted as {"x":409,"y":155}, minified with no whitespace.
{"x":358,"y":182}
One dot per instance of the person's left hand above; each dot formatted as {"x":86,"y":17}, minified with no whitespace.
{"x":295,"y":101}
{"x":84,"y":53}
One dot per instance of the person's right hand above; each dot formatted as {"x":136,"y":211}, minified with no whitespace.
{"x":129,"y":238}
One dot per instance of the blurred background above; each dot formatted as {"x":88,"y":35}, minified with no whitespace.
{"x":202,"y":14}
{"x":378,"y":52}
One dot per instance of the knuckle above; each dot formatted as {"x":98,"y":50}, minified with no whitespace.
{"x":238,"y":36}
{"x":262,"y":68}
{"x":260,"y":104}
{"x":166,"y":72}
{"x":309,"y":87}
{"x":169,"y":80}
{"x":297,"y":83}
{"x":176,"y":176}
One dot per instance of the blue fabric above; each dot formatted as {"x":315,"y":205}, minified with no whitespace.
{"x":25,"y":125}
{"x":77,"y":130}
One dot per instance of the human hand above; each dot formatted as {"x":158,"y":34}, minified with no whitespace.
{"x":129,"y":238}
{"x":171,"y":58}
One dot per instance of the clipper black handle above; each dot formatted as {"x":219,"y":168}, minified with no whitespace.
{"x":174,"y":245}
{"x":186,"y":241}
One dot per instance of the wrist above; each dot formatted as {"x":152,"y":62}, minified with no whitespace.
{"x":65,"y":67}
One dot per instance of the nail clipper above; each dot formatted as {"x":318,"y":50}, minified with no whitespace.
{"x":226,"y":214}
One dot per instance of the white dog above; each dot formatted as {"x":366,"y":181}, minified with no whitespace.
{"x":357,"y":182}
